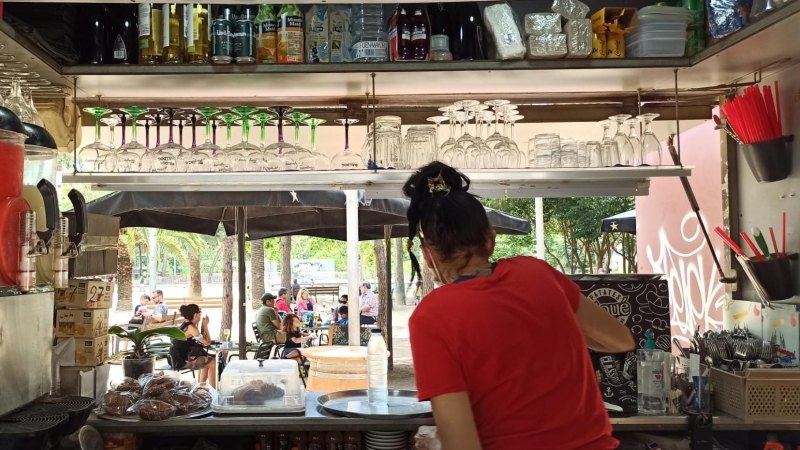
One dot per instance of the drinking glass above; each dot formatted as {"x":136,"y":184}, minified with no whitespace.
{"x":129,"y":155}
{"x":262,"y":119}
{"x":626,"y":154}
{"x":582,"y":157}
{"x":346,"y":160}
{"x":387,"y":139}
{"x":209,"y":153}
{"x":225,"y":159}
{"x":541,"y":149}
{"x":315,"y":160}
{"x":608,"y":146}
{"x":90,"y":156}
{"x":109,"y":163}
{"x":568,"y":153}
{"x":166,"y":156}
{"x":294,"y":155}
{"x":420,"y":145}
{"x":275,"y":153}
{"x":449,"y":111}
{"x":438,"y":121}
{"x":594,"y":154}
{"x":636,"y":143}
{"x":246,"y":157}
{"x":651,"y":146}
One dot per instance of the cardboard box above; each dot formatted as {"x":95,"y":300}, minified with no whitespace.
{"x":81,"y":294}
{"x":90,"y":352}
{"x":641,"y":302}
{"x":81,"y":323}
{"x":615,"y":20}
{"x":89,"y":382}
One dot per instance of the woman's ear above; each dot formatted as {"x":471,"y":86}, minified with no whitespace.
{"x":428,"y":256}
{"x":491,"y":241}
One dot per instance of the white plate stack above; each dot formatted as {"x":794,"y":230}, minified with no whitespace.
{"x":387,"y":440}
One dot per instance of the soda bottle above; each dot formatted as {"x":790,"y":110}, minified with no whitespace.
{"x":420,"y":35}
{"x":403,"y":36}
{"x":266,"y":35}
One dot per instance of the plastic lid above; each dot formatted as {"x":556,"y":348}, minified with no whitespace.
{"x":665,"y":13}
{"x":649,"y":344}
{"x":10,"y":122}
{"x":376,"y":330}
{"x":440,"y":42}
{"x":39,"y":136}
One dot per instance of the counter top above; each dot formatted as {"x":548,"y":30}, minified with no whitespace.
{"x":316,"y":419}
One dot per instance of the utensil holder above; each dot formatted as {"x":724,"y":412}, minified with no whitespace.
{"x":770,"y":160}
{"x":774,"y":279}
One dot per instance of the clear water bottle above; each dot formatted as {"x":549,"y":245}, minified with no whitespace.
{"x":377,"y":370}
{"x":369,"y":37}
{"x":653,"y":382}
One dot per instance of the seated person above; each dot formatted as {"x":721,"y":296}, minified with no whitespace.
{"x":267,"y":319}
{"x":282,"y":304}
{"x":342,"y":316}
{"x":191,"y":353}
{"x":294,"y":339}
{"x":305,"y":302}
{"x":342,"y":302}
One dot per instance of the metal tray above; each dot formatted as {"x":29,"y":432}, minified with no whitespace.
{"x":403,"y":404}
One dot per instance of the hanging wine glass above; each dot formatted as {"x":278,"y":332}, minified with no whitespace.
{"x":16,"y":102}
{"x":449,"y":111}
{"x":91,"y":155}
{"x":651,"y":146}
{"x":275,"y":153}
{"x":438,"y":121}
{"x":346,"y":160}
{"x":608,"y":146}
{"x":626,"y":154}
{"x":636,"y":143}
{"x":225,"y":159}
{"x":129,"y":155}
{"x":315,"y":160}
{"x":109,"y":163}
{"x":189,"y":160}
{"x":166,"y":156}
{"x":294,"y":155}
{"x":245,"y":156}
{"x":262,"y":119}
{"x":454,"y":154}
{"x":477,"y":154}
{"x":209,"y":152}
{"x":36,"y":119}
{"x":149,"y":155}
{"x":506,"y":151}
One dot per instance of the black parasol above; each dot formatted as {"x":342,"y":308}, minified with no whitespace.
{"x":620,"y":223}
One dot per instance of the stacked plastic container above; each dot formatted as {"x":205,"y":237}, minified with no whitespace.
{"x":661,"y":33}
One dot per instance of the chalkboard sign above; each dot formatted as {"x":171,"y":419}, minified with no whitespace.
{"x":641,"y":302}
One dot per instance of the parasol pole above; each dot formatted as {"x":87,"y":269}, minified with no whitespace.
{"x":240,"y":253}
{"x":538,"y":207}
{"x":353,"y":280}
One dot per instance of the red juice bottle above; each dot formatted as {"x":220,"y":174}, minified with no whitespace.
{"x":403,"y":36}
{"x":420,"y":35}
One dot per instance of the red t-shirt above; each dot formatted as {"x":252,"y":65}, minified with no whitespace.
{"x":512,"y":342}
{"x":281,"y":305}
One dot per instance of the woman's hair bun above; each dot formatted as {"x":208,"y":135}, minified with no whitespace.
{"x":417,"y":184}
{"x":183,"y":309}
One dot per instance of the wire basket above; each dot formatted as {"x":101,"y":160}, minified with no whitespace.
{"x":757,"y":395}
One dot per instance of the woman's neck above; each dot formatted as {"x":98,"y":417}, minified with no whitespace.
{"x":476,"y":266}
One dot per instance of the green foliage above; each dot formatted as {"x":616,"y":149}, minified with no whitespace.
{"x":140,"y":338}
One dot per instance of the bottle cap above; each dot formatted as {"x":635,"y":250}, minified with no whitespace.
{"x":649,"y":344}
{"x":376,"y":330}
{"x":440,"y":42}
{"x":225,"y":12}
{"x":247,"y":12}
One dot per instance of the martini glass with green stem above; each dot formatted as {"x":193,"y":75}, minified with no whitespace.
{"x":246,"y":156}
{"x":262,"y":119}
{"x":129,"y":155}
{"x":347,"y":160}
{"x":208,"y":151}
{"x":275,"y":153}
{"x":166,"y":156}
{"x":293,"y":157}
{"x":109,"y":163}
{"x":224,"y":160}
{"x":90,"y":157}
{"x":314,"y":160}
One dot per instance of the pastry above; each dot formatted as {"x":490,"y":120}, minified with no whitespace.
{"x":256,"y":392}
{"x":159,"y":384}
{"x":154,"y":410}
{"x":117,"y":403}
{"x":128,"y":384}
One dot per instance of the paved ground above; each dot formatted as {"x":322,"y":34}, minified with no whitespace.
{"x":402,"y":377}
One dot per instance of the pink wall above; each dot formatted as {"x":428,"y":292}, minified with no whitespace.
{"x":669,"y":238}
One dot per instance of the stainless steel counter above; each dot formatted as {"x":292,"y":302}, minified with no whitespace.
{"x":316,"y":419}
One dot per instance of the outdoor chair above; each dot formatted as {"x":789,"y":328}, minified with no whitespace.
{"x":339,"y":335}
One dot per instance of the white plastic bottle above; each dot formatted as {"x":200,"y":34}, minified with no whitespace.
{"x":377,"y":369}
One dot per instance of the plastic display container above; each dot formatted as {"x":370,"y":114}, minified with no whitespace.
{"x":260,"y":387}
{"x":659,"y":27}
{"x":664,"y":14}
{"x":646,"y":46}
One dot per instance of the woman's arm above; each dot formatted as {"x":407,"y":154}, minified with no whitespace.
{"x":602,"y":331}
{"x":206,"y":339}
{"x":453,"y":416}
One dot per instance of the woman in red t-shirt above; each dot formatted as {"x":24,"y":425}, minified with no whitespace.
{"x":538,"y":389}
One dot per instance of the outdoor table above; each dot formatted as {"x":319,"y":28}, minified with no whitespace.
{"x":336,"y":368}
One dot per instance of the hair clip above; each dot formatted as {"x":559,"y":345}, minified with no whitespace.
{"x":438,"y":185}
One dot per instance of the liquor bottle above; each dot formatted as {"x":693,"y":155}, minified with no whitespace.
{"x":420,"y":35}
{"x":93,"y":48}
{"x":244,"y":35}
{"x":221,"y":35}
{"x":316,"y":440}
{"x":298,"y":440}
{"x":467,"y":33}
{"x":151,"y":34}
{"x":352,"y":440}
{"x":174,"y":42}
{"x":123,"y":37}
{"x":440,"y":23}
{"x":403,"y":36}
{"x":266,"y":26}
{"x":196,"y":33}
{"x":334,"y":440}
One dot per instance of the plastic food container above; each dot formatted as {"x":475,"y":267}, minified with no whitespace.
{"x":260,"y":387}
{"x":664,"y":14}
{"x":647,"y":46}
{"x":678,"y":28}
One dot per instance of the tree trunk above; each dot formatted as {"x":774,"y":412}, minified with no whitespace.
{"x":227,"y":286}
{"x":399,"y":280}
{"x":195,"y":277}
{"x":214,"y":262}
{"x":383,"y":284}
{"x":124,"y":278}
{"x":164,"y":263}
{"x":257,"y":272}
{"x":286,"y":261}
{"x":427,"y":279}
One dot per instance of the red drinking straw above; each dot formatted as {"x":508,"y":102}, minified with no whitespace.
{"x":733,"y":245}
{"x":783,"y":240}
{"x":778,"y":107}
{"x":774,"y":243}
{"x":752,"y":246}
